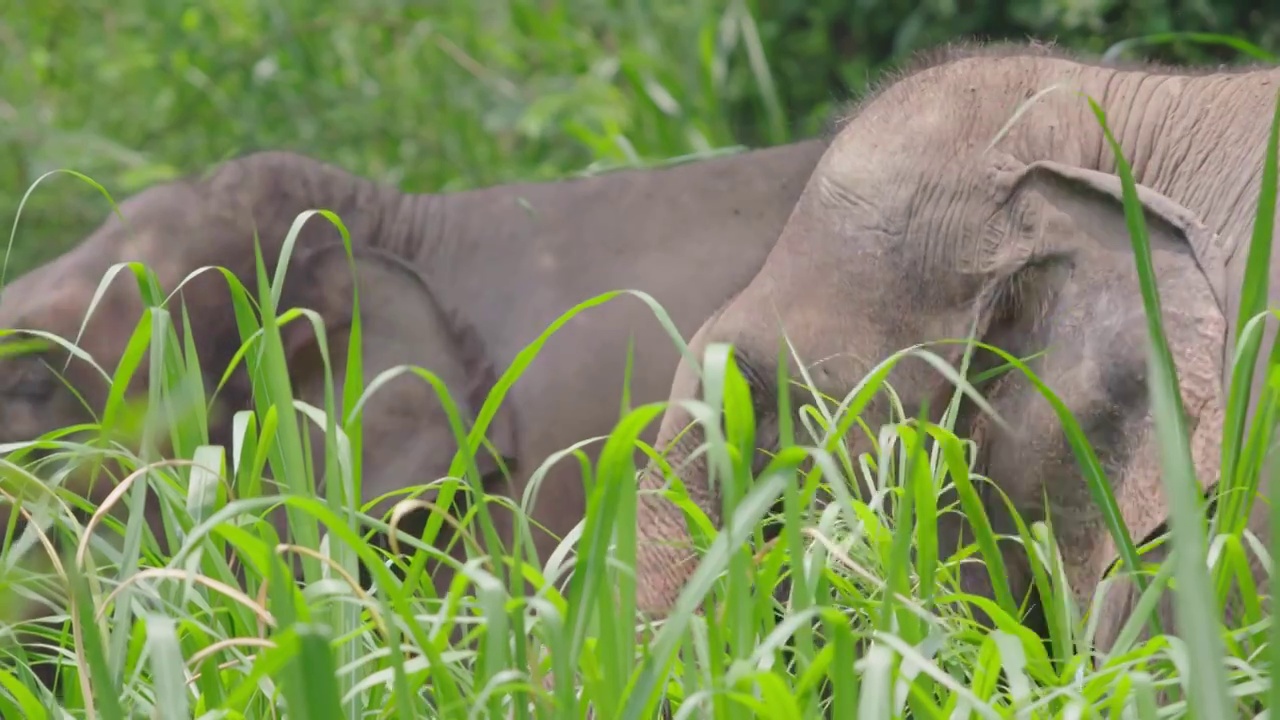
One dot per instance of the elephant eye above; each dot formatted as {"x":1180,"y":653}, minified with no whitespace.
{"x":761,"y":380}
{"x":33,"y":382}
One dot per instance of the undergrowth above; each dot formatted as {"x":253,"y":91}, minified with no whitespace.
{"x":208,"y":621}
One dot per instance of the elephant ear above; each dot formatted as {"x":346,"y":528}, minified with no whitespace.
{"x":406,"y":432}
{"x":1173,"y":220}
{"x":1075,"y":295}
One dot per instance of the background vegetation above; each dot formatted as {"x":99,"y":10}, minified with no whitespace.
{"x":437,"y":97}
{"x":442,"y":96}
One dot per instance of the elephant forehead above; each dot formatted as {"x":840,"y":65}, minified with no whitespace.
{"x":100,"y":325}
{"x":38,"y":302}
{"x":170,"y":229}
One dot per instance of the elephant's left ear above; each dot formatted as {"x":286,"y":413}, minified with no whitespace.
{"x":401,"y":324}
{"x":1206,"y":245}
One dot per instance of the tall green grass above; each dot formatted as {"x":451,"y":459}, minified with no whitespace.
{"x":868,"y":628}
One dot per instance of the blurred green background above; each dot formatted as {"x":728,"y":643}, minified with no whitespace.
{"x":437,"y":96}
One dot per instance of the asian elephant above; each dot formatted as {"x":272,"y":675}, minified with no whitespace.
{"x":977,"y":192}
{"x":458,"y":283}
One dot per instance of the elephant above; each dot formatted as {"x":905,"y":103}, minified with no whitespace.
{"x":457,"y":283}
{"x":982,"y":171}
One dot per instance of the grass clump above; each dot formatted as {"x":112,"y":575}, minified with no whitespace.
{"x":167,"y":626}
{"x":173,"y":595}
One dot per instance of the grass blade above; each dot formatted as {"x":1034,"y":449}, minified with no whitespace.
{"x":1193,"y":602}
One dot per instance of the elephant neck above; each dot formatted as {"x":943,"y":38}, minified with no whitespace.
{"x":410,"y":226}
{"x":446,"y":238}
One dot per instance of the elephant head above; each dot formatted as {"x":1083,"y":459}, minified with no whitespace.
{"x":184,"y":226}
{"x":939,"y":211}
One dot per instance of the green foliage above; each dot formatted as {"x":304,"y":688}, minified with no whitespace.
{"x":438,"y":99}
{"x":485,"y":92}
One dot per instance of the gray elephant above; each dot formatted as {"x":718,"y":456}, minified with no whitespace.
{"x":976,"y":191}
{"x":456,"y":283}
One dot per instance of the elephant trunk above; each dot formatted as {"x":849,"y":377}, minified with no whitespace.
{"x":665,"y":557}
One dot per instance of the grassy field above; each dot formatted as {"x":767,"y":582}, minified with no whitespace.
{"x":489,"y":92}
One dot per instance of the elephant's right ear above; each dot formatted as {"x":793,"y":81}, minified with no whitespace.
{"x":1107,"y":194}
{"x":401,"y":324}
